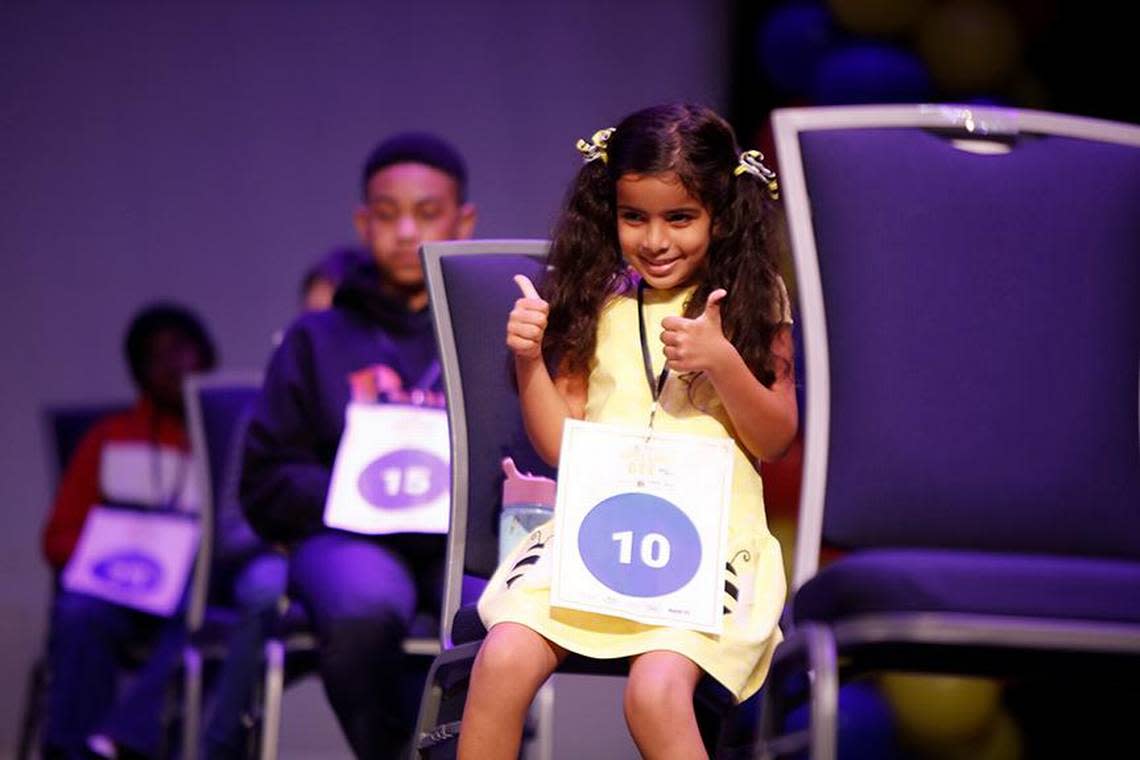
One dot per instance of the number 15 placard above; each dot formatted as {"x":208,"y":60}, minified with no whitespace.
{"x":641,"y":522}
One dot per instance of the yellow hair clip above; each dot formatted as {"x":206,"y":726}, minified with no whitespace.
{"x":596,"y":148}
{"x":752,"y":162}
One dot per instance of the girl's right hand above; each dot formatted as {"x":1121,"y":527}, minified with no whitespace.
{"x":527,"y":322}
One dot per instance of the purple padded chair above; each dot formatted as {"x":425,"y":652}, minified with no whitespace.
{"x":969,"y":287}
{"x":472,"y":290}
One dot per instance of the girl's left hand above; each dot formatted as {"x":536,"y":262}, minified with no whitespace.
{"x":696,"y":345}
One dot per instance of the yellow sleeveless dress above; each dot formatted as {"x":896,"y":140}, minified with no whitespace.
{"x":755,"y":587}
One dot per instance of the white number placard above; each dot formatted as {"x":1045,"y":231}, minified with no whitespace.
{"x":392,"y":472}
{"x":136,"y":558}
{"x":641,"y":524}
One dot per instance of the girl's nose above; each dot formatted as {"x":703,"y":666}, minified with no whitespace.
{"x":656,"y":239}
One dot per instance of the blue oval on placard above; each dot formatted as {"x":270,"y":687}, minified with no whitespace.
{"x":404,"y":478}
{"x":130,"y":571}
{"x":639,"y":544}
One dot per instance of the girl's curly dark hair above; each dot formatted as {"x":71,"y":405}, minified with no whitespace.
{"x":698,"y":146}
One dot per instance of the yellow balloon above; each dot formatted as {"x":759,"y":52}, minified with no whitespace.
{"x":970,"y":46}
{"x":878,"y":18}
{"x":1001,"y":742}
{"x":934,"y":711}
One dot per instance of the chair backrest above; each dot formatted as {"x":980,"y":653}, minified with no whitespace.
{"x":471,"y":290}
{"x":969,"y":285}
{"x":216,"y":404}
{"x":67,"y":424}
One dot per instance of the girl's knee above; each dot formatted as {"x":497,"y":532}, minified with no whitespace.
{"x":515,"y":652}
{"x":660,"y":685}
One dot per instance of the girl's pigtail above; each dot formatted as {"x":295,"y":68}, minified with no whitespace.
{"x":584,"y":257}
{"x":745,"y":251}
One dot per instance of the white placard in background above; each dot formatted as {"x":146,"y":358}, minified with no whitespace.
{"x":392,"y":472}
{"x":136,"y":558}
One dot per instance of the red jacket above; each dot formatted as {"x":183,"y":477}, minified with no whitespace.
{"x":140,"y":456}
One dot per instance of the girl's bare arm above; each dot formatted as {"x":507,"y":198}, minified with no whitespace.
{"x":765,"y":419}
{"x":546,"y":402}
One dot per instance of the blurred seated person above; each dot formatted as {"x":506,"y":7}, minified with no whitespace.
{"x":141,"y":457}
{"x":323,"y":278}
{"x":253,"y":573}
{"x":361,"y":592}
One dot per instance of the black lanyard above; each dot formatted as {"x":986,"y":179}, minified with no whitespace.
{"x":658,"y":385}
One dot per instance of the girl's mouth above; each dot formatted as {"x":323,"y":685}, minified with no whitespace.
{"x":659,"y":268}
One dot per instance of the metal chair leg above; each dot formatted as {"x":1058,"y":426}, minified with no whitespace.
{"x":33,"y":709}
{"x":428,"y":713}
{"x":191,"y":702}
{"x":811,"y":650}
{"x":274,"y":689}
{"x":824,"y":692}
{"x":543,"y":711}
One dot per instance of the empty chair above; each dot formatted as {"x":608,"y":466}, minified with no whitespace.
{"x":969,"y":287}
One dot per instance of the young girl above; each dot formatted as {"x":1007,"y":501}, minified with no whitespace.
{"x":666,"y":226}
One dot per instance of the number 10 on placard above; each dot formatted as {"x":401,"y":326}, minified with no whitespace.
{"x":654,"y":549}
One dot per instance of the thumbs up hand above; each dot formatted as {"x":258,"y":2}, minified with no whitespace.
{"x":695,"y":345}
{"x":527,"y":321}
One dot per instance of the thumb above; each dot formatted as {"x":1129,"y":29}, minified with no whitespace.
{"x":712,"y":305}
{"x":526,"y":286}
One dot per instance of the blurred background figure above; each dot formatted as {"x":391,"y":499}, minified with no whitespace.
{"x":362,"y":592}
{"x":253,"y":572}
{"x":323,"y":278}
{"x":140,"y":457}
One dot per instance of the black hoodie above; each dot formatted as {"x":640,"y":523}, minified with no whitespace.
{"x":299,"y":417}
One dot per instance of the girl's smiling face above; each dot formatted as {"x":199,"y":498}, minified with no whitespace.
{"x":662,"y":229}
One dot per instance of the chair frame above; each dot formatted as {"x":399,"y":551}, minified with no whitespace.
{"x":815,"y":647}
{"x":192,"y":656}
{"x":432,"y":254}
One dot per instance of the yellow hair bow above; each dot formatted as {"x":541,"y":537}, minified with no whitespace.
{"x":596,"y":148}
{"x":752,"y":162}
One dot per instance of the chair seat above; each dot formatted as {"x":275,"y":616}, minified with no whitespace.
{"x":467,"y":626}
{"x":912,"y":580}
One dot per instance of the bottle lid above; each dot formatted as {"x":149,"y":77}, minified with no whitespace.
{"x":524,"y":488}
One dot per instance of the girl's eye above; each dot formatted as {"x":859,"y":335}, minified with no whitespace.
{"x":679,"y":218}
{"x":630,"y":216}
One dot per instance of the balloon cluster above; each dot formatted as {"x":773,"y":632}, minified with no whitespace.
{"x":893,"y":51}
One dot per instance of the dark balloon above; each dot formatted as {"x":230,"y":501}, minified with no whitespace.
{"x":791,"y":42}
{"x":871,"y":73}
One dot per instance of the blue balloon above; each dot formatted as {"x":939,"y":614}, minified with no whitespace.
{"x":792,"y":41}
{"x":866,"y":723}
{"x":870,"y":73}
